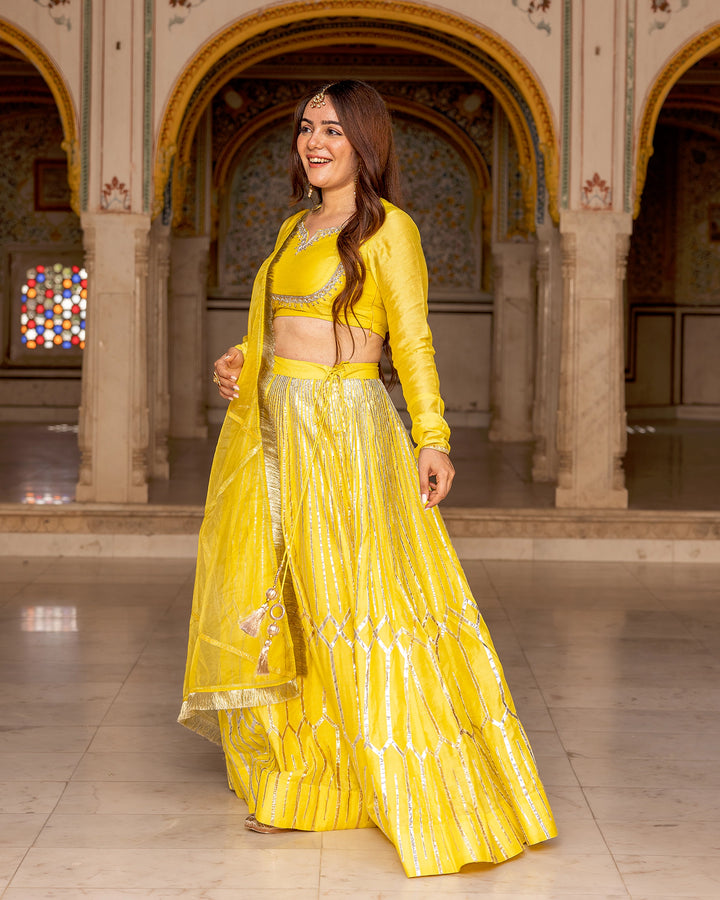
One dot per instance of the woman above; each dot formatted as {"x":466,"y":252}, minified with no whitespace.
{"x":335,"y":649}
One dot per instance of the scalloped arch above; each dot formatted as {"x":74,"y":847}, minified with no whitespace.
{"x":254,"y":38}
{"x":66,"y":108}
{"x":685,"y":58}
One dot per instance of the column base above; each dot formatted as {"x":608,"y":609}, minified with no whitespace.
{"x":507,"y":432}
{"x":542,"y":471}
{"x":88,"y":493}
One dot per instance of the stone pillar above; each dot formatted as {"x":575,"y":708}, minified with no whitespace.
{"x":113,"y":415}
{"x":189,"y":370}
{"x":547,"y":358}
{"x":513,"y":342}
{"x":591,"y":415}
{"x":158,"y":362}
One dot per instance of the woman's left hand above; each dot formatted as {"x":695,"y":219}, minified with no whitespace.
{"x":434,"y":463}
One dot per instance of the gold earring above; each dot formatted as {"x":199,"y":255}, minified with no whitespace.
{"x":310,"y":191}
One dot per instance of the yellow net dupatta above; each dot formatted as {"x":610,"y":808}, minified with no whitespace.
{"x":240,"y":649}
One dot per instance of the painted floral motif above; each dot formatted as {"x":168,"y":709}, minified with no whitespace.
{"x":661,"y":10}
{"x":115,"y":194}
{"x":534,"y":10}
{"x":187,"y":5}
{"x":596,"y":193}
{"x":52,"y":7}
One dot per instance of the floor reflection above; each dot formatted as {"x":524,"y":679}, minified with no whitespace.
{"x":49,"y":618}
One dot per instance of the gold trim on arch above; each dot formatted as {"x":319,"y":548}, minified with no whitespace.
{"x":68,"y":117}
{"x":177,"y":129}
{"x":683,"y":60}
{"x":364,"y":35}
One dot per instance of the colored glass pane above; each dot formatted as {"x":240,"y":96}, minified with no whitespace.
{"x":52,"y":307}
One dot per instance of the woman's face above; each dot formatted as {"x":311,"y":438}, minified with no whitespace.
{"x":328,"y":157}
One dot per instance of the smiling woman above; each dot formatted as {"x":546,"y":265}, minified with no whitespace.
{"x":335,"y":649}
{"x":328,"y":157}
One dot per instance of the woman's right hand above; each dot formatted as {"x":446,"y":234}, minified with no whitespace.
{"x":227,"y":371}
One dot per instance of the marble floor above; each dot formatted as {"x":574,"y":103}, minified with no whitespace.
{"x":670,"y":465}
{"x":616,"y":673}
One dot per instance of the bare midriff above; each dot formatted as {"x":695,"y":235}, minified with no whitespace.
{"x":313,"y":340}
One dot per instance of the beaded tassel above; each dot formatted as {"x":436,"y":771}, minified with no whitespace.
{"x":273,"y":629}
{"x":252,"y":624}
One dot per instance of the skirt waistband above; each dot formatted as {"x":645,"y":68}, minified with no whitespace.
{"x":298,"y":368}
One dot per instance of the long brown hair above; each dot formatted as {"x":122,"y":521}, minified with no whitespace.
{"x":366,"y":122}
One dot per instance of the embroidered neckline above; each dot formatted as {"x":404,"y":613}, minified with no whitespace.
{"x":304,"y":239}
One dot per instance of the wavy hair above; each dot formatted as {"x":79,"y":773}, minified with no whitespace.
{"x":366,"y":123}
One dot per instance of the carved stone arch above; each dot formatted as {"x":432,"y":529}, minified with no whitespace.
{"x":685,"y":58}
{"x":22,"y":41}
{"x":252,"y":39}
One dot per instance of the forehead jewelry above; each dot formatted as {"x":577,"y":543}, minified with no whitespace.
{"x":319,"y":98}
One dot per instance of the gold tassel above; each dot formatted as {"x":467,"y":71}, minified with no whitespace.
{"x":252,"y":624}
{"x":262,"y":666}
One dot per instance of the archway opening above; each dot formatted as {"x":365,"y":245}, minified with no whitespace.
{"x":466,"y":184}
{"x":673,"y":301}
{"x":44,"y":289}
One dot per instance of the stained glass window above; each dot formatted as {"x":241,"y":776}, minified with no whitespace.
{"x":53,"y":305}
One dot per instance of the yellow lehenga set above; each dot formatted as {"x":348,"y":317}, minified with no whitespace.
{"x":335,"y":649}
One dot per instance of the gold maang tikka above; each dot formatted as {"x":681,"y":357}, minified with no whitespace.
{"x":319,"y":98}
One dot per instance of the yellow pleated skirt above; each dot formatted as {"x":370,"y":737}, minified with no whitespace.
{"x":404,"y":719}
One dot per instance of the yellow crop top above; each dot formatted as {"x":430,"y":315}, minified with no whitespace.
{"x":307,"y":276}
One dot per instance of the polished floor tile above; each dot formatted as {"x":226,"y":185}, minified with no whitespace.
{"x":615,"y":672}
{"x":10,"y":859}
{"x":175,"y":893}
{"x":247,"y":868}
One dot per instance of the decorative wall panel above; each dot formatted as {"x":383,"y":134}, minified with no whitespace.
{"x":24,"y":137}
{"x":698,"y":257}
